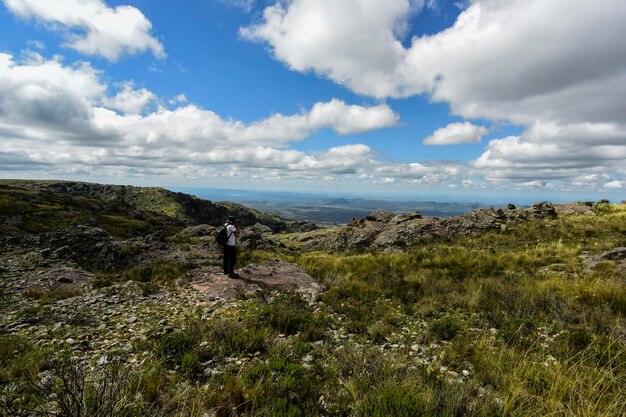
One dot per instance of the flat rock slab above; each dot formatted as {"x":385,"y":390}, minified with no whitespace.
{"x":58,"y":277}
{"x":271,"y":275}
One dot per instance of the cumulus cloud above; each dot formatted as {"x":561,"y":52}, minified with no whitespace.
{"x":555,"y":151}
{"x":513,"y":60}
{"x":614,"y":185}
{"x":352,"y":43}
{"x":92,"y":27}
{"x":541,"y":64}
{"x":42,"y":95}
{"x":131,"y":101}
{"x":457,"y":133}
{"x":62,"y":116}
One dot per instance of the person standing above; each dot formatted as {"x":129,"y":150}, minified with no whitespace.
{"x":230,"y":252}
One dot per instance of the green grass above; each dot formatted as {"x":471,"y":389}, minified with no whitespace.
{"x":506,"y":323}
{"x":47,"y":296}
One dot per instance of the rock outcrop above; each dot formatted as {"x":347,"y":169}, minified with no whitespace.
{"x":271,"y":275}
{"x":388,"y":231}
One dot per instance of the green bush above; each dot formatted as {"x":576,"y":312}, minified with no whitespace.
{"x":47,"y":296}
{"x":175,"y":345}
{"x":160,"y":271}
{"x":396,"y":400}
{"x":447,"y":327}
{"x":190,"y":364}
{"x":287,"y":314}
{"x":282,"y":388}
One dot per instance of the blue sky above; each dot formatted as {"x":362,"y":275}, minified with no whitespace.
{"x":407,"y":97}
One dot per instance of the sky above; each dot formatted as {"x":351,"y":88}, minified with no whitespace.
{"x":476,"y":98}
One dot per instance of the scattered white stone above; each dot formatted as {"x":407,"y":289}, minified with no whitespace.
{"x":415,"y":347}
{"x":465,"y":372}
{"x":103,"y":360}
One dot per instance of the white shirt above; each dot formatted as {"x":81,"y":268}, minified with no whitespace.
{"x":230,"y":233}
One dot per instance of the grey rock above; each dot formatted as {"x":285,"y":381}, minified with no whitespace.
{"x":616,"y":254}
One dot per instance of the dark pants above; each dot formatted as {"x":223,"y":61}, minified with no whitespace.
{"x":230,"y":256}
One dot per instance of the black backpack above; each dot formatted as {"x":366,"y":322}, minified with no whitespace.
{"x":221,"y":237}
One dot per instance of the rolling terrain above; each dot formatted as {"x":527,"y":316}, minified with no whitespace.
{"x":112,"y":303}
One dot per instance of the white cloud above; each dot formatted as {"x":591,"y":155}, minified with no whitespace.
{"x":179,"y":99}
{"x":242,"y":4}
{"x":60,"y":116}
{"x":93,"y":27}
{"x":347,"y":119}
{"x":456,"y":133}
{"x":44,"y":95}
{"x":35,"y":44}
{"x":352,"y":43}
{"x":515,"y":60}
{"x":541,"y":64}
{"x":614,"y":185}
{"x":552,"y":151}
{"x":131,"y":101}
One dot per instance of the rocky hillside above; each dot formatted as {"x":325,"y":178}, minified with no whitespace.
{"x":108,"y":227}
{"x":112,"y":298}
{"x":385,"y":231}
{"x":177,"y":208}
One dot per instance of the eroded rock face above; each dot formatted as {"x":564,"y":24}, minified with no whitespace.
{"x":272,"y":275}
{"x":86,"y":246}
{"x":94,"y":249}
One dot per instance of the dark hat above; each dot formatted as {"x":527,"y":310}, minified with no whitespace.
{"x":232,"y":219}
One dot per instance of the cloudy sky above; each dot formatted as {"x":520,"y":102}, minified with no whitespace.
{"x":412,"y":97}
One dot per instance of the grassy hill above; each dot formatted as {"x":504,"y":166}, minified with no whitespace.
{"x":41,"y":206}
{"x":523,"y":320}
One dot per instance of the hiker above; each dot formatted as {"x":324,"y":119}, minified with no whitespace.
{"x":230,"y":253}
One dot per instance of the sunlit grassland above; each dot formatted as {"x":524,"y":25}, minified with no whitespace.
{"x":510,"y":323}
{"x":527,"y":283}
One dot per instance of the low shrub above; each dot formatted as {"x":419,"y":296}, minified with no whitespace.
{"x":447,"y":327}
